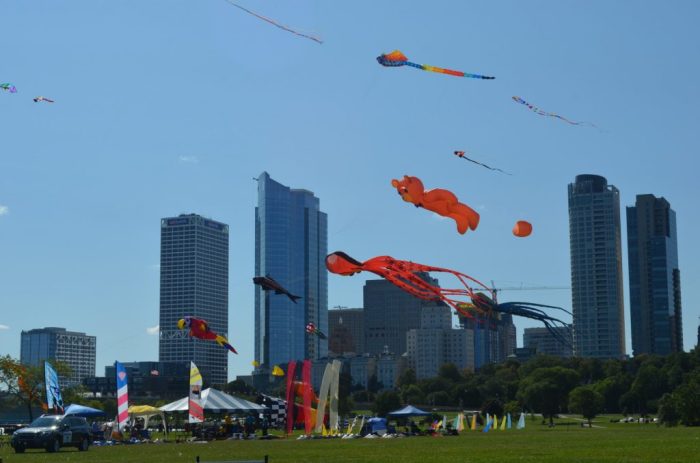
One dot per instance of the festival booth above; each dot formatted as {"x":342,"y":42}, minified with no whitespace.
{"x":82,"y":410}
{"x":408,"y":411}
{"x":146,"y":412}
{"x":216,"y":402}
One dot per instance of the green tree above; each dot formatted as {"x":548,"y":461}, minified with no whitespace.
{"x":546,"y":390}
{"x":669,"y":410}
{"x":386,"y":402}
{"x":450,"y":372}
{"x":689,"y":399}
{"x":586,"y":401}
{"x":438,"y":398}
{"x":239,"y":386}
{"x":412,"y":395}
{"x":407,"y":378}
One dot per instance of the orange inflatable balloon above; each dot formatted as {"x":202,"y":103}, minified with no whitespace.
{"x":440,"y":201}
{"x":522,"y":229}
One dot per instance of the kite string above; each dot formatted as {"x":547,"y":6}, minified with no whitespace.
{"x":274,"y":23}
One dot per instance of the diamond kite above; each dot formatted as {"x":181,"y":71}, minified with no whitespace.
{"x":461,"y":154}
{"x":311,"y":329}
{"x":396,"y":59}
{"x":200,"y":329}
{"x":8,"y":88}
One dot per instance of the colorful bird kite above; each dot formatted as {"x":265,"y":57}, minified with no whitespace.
{"x":267,"y":283}
{"x":440,"y":201}
{"x":403,"y":274}
{"x":275,"y":23}
{"x":8,"y":88}
{"x":200,"y":329}
{"x":537,"y":110}
{"x":462,"y":155}
{"x":42,"y":98}
{"x":396,"y":59}
{"x":311,"y":329}
{"x":522,"y":229}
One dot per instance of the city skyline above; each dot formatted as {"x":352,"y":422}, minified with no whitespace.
{"x":84,"y":180}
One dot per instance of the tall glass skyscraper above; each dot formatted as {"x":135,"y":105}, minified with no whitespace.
{"x":194,"y":281}
{"x":291,"y":244}
{"x":596,"y":268}
{"x":655,"y":285}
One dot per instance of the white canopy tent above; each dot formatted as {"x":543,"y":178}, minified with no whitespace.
{"x":217,"y":402}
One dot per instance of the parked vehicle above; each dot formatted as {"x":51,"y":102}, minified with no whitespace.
{"x":51,"y":432}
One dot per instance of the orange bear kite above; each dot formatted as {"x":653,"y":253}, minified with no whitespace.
{"x":440,"y":201}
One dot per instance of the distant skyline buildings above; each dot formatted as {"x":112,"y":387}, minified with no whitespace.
{"x":390,"y":313}
{"x":291,"y":244}
{"x":596,"y":268}
{"x":194,"y":253}
{"x":543,"y":342}
{"x":346,"y":331}
{"x":77,"y":350}
{"x":654,"y":277}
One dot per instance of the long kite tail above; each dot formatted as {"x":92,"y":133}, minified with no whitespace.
{"x":542,"y":112}
{"x":450,"y":72}
{"x":275,"y":23}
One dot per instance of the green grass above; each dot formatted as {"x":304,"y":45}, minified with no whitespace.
{"x":614,"y":443}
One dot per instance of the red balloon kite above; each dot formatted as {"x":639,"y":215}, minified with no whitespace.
{"x":522,"y":229}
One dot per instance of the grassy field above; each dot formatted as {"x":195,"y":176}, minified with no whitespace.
{"x":612,"y":443}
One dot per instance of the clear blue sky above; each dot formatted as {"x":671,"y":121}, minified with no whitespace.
{"x":166,"y":107}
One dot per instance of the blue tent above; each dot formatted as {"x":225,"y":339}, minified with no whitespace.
{"x":377,"y":424}
{"x":408,"y":410}
{"x":82,"y":410}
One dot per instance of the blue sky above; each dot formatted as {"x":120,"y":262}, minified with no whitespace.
{"x":166,"y":107}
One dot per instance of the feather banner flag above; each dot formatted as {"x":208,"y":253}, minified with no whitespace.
{"x":195,"y":409}
{"x":54,"y":401}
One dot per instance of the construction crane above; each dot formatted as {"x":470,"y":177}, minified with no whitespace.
{"x":523,"y":288}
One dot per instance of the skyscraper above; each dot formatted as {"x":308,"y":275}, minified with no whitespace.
{"x":596,"y":268}
{"x":389,"y":313}
{"x":194,"y":281}
{"x":291,"y":244}
{"x":655,"y":285}
{"x":77,"y":350}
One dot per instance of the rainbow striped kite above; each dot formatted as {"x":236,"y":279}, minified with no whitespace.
{"x":396,"y":59}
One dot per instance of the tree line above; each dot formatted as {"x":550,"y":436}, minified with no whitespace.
{"x":646,"y":384}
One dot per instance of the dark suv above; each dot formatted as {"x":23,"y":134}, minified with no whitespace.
{"x":51,"y":432}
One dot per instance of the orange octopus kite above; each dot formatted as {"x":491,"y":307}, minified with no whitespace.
{"x":440,"y":201}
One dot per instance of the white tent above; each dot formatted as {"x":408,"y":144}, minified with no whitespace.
{"x":215,"y":401}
